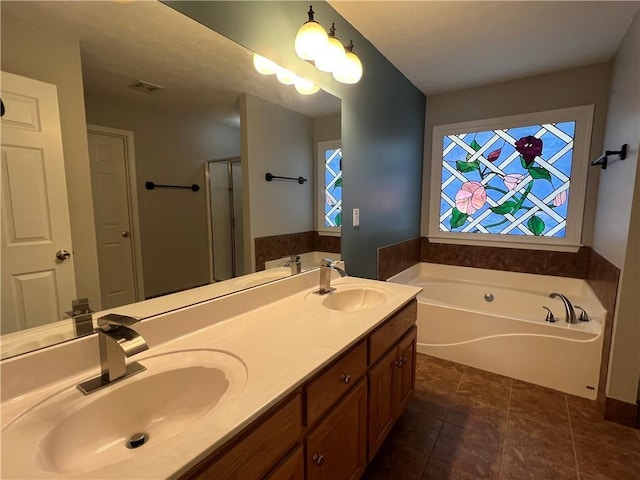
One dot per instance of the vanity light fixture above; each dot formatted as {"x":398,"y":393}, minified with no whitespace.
{"x":268,"y":67}
{"x":350,"y":70}
{"x":311,"y":39}
{"x":326,"y":52}
{"x":305,"y":87}
{"x":285,"y":76}
{"x":332,"y":55}
{"x":264,"y":65}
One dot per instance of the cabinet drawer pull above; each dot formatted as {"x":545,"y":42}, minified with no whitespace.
{"x":345,"y":379}
{"x":318,"y":459}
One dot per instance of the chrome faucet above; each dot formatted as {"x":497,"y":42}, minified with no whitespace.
{"x":80,"y":313}
{"x":326,"y":265}
{"x":117,"y":340}
{"x":570,"y":313}
{"x":295,"y":264}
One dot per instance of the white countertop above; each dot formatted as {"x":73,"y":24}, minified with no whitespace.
{"x":281,"y":343}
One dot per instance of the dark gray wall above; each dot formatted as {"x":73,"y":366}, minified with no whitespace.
{"x":382,"y":119}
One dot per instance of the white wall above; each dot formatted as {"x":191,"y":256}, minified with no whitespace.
{"x":54,"y":58}
{"x":568,"y":88}
{"x":170,"y":148}
{"x":616,"y":230}
{"x":279,"y":141}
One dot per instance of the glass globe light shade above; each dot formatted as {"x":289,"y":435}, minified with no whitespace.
{"x":285,"y":76}
{"x":310,"y":40}
{"x":264,"y":65}
{"x":350,"y":70}
{"x":331,"y":56}
{"x":305,"y":87}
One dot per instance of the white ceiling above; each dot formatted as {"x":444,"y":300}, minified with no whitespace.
{"x":202,"y":72}
{"x":453,"y":45}
{"x":439,"y":45}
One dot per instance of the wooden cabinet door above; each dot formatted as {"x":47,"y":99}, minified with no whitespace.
{"x":406,"y":374}
{"x":291,"y":468}
{"x":382,"y":406}
{"x":336,"y":449}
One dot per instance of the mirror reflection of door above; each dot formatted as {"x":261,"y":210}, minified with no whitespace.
{"x":38,"y":280}
{"x":112,"y":165}
{"x":225,"y":209}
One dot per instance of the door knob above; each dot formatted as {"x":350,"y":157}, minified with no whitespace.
{"x":126,"y":234}
{"x":63,"y":255}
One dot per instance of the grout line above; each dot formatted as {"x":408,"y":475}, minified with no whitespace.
{"x":506,"y":429}
{"x":464,"y":372}
{"x":435,"y":442}
{"x":573,"y":442}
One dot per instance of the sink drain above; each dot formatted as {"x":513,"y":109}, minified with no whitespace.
{"x":137,"y":440}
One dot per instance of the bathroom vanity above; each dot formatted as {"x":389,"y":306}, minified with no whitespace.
{"x":335,"y":423}
{"x":275,"y":382}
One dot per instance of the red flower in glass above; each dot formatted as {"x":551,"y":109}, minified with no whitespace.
{"x":529,"y":147}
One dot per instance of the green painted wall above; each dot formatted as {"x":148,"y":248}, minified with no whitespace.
{"x":382,"y":119}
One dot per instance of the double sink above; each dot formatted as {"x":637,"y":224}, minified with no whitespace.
{"x":137,"y":418}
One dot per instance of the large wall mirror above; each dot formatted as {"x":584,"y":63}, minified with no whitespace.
{"x":144,"y":95}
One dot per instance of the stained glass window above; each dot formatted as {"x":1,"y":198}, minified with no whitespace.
{"x":332,"y":186}
{"x":515,"y":181}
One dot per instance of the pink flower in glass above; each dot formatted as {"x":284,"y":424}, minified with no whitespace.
{"x":560,"y":199}
{"x":512,"y":180}
{"x":470,"y":197}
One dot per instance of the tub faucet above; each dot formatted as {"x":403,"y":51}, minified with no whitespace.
{"x":326,"y":265}
{"x":117,"y":340}
{"x":570,"y":313}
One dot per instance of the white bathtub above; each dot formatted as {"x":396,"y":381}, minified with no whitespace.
{"x":509,"y":335}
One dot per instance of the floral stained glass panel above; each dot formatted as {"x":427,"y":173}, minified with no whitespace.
{"x":333,"y":187}
{"x":511,"y":181}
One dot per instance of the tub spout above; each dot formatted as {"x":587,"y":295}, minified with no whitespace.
{"x":570,"y":313}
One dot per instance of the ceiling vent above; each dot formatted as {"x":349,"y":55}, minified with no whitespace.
{"x":146,"y":87}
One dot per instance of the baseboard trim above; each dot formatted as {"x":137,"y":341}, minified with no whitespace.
{"x":624,"y":413}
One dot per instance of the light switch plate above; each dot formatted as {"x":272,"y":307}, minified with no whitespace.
{"x":356,"y":217}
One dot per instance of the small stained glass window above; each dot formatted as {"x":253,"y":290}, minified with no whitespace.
{"x":333,"y":188}
{"x":512,"y":181}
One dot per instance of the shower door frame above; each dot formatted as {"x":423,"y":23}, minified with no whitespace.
{"x":229,"y":161}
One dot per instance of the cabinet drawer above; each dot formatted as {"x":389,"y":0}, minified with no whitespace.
{"x":256,"y":452}
{"x":327,"y":388}
{"x":390,"y":332}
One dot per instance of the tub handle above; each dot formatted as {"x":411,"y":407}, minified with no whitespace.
{"x":584,"y":316}
{"x":550,"y":317}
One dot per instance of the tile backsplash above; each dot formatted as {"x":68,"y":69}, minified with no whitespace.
{"x":278,"y":246}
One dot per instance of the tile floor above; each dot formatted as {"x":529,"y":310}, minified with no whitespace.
{"x":466,"y":424}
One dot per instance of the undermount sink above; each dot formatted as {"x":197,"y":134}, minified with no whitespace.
{"x":350,"y":298}
{"x":73,"y":434}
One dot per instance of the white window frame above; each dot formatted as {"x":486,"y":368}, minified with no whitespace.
{"x":583,"y":116}
{"x":320,"y":178}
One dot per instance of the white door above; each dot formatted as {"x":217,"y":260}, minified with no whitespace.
{"x":37,"y":287}
{"x":108,"y":157}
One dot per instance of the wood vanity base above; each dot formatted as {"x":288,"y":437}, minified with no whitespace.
{"x":331,"y":427}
